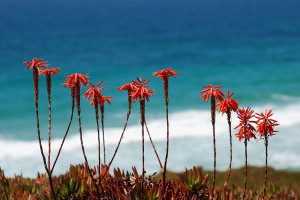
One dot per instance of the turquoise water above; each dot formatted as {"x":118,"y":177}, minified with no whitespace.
{"x":251,"y":48}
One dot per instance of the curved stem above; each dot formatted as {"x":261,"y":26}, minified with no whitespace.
{"x":77,"y":92}
{"x":266,"y":167}
{"x":119,"y":143}
{"x":245,"y":185}
{"x":157,"y":156}
{"x":67,"y":131}
{"x":213,"y":121}
{"x":102,"y":125}
{"x":230,"y":140}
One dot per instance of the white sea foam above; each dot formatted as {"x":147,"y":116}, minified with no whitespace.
{"x":185,"y":127}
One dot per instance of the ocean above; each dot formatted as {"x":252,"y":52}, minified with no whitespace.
{"x":251,"y":48}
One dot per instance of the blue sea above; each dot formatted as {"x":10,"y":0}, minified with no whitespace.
{"x":251,"y":48}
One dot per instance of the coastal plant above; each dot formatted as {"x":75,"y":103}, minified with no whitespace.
{"x":213,"y":93}
{"x":94,"y":92}
{"x":75,"y":81}
{"x":265,"y":128}
{"x":164,"y":75}
{"x":227,"y":105}
{"x":142,"y":93}
{"x":37,"y":65}
{"x":246,"y":132}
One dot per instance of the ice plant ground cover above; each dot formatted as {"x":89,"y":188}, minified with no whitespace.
{"x":101,"y":182}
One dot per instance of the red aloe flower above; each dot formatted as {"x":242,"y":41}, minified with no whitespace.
{"x":265,"y":128}
{"x":228,"y":104}
{"x":211,"y":91}
{"x":94,"y":92}
{"x":141,"y":90}
{"x":246,"y":129}
{"x":265,"y":124}
{"x":128,"y":86}
{"x":165,"y":73}
{"x":75,"y":79}
{"x":36,"y":63}
{"x":49,"y":71}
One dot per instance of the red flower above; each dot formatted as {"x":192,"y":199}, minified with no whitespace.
{"x":128,"y":86}
{"x":228,"y":104}
{"x":102,"y":100}
{"x":94,"y":92}
{"x":211,"y":91}
{"x":141,"y":90}
{"x":75,"y":79}
{"x":49,"y":71}
{"x":165,"y":73}
{"x":36,"y":63}
{"x":265,"y":124}
{"x":246,"y":129}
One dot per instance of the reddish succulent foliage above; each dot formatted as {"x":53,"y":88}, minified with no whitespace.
{"x":228,"y":104}
{"x":94,"y":92}
{"x":265,"y":124}
{"x":211,"y":91}
{"x":246,"y":129}
{"x":141,"y":90}
{"x":165,"y":73}
{"x":75,"y":79}
{"x":49,"y":71}
{"x":36,"y":63}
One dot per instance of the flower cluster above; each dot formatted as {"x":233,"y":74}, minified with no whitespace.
{"x":96,"y":94}
{"x":75,"y":79}
{"x":246,"y":128}
{"x":141,"y":90}
{"x":265,"y":124}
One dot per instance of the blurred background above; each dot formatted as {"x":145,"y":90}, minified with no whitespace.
{"x":249,"y":47}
